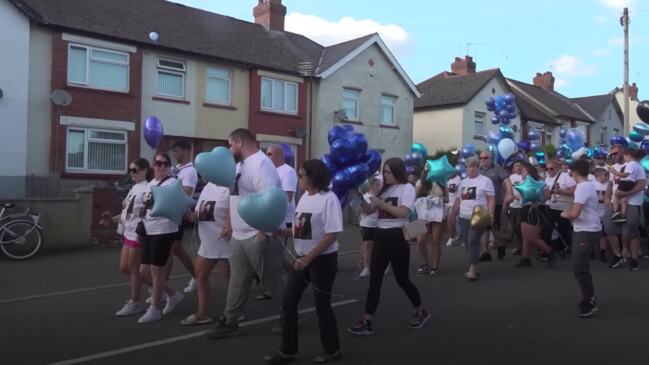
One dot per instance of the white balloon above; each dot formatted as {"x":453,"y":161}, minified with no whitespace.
{"x":506,"y":148}
{"x":154,"y":36}
{"x":577,"y":154}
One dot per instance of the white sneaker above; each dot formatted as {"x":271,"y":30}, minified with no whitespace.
{"x":130,"y":308}
{"x":365,"y":273}
{"x":172,"y":303}
{"x":450,"y":242}
{"x":163,"y":298}
{"x":152,"y":314}
{"x":191,"y":286}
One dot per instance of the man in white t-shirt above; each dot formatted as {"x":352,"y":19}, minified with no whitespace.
{"x":256,"y":173}
{"x":587,"y":230}
{"x":186,"y":173}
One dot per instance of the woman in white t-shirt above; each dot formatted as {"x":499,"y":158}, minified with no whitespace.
{"x":368,"y":223}
{"x":393,"y":203}
{"x":157,"y":239}
{"x":318,"y":220}
{"x":452,"y":192}
{"x":213,"y":219}
{"x":429,"y":206}
{"x":561,"y":187}
{"x":476,"y":190}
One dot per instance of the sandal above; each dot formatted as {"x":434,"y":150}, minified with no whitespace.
{"x":192,"y":320}
{"x":324,"y":357}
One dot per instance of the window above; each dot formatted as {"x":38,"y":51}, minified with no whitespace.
{"x":350,"y":103}
{"x":96,"y":151}
{"x":603,"y":136}
{"x":478,"y":124}
{"x":279,"y":96}
{"x":540,"y":128}
{"x":97,"y":68}
{"x":549,"y":132}
{"x":387,"y":109}
{"x":217,"y":85}
{"x":171,"y":78}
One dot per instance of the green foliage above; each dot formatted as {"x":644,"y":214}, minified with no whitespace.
{"x":550,"y":152}
{"x":452,"y":157}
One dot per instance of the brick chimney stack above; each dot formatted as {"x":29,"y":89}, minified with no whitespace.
{"x":633,"y":92}
{"x":464,"y":66}
{"x":270,"y":14}
{"x":544,"y":81}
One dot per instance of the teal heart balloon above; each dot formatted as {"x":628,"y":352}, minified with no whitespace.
{"x":439,"y":170}
{"x":636,"y":136}
{"x":264,"y":211}
{"x":641,"y":128}
{"x":531,"y":190}
{"x":217,"y":166}
{"x":171,"y":202}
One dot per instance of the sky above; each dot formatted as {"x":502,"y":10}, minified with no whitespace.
{"x":579,"y":41}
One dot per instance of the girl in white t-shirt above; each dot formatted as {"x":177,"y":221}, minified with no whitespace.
{"x":213,"y":219}
{"x":394,"y":203}
{"x":368,"y":224}
{"x":429,"y":206}
{"x":476,"y":190}
{"x":452,"y":192}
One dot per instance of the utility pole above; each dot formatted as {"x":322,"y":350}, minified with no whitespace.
{"x":625,"y":23}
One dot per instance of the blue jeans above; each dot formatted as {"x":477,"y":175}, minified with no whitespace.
{"x":472,"y":239}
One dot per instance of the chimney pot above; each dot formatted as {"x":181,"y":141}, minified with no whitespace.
{"x":270,"y":14}
{"x":464,"y":66}
{"x":544,"y":81}
{"x":633,"y":92}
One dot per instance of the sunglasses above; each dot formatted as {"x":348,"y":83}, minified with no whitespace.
{"x":134,"y":171}
{"x":550,"y":168}
{"x":160,"y":163}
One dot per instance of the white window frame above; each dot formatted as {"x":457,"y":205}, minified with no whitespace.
{"x":479,"y":117}
{"x":284,"y":110}
{"x":87,"y":139}
{"x":356,"y":102}
{"x":173,"y":71}
{"x":387,"y":105}
{"x":603,"y":135}
{"x":549,"y":133}
{"x":229,"y":80}
{"x":86,"y":82}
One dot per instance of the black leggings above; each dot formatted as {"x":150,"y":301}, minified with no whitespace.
{"x":550,"y":219}
{"x":390,"y":247}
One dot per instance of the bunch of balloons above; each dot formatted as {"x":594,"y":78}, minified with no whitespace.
{"x":504,"y":108}
{"x":572,"y":144}
{"x":414,"y":160}
{"x":467,"y":151}
{"x":501,"y":143}
{"x":349,"y":161}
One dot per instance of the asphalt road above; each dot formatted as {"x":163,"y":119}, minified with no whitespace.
{"x":59,"y":308}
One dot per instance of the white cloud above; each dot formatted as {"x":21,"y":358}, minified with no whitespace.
{"x":617,"y":4}
{"x":600,"y":52}
{"x":600,"y":19}
{"x":569,"y":66}
{"x":558,"y":83}
{"x":328,"y":32}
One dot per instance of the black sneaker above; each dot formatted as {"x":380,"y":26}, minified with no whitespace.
{"x":587,"y":307}
{"x":434,"y":271}
{"x":279,"y":358}
{"x":423,"y":269}
{"x":633,"y":265}
{"x":517,"y":252}
{"x":617,"y":262}
{"x":621,"y":218}
{"x":362,"y":328}
{"x":602,"y":256}
{"x":501,"y":252}
{"x":615,"y":215}
{"x":419,"y":319}
{"x":524,"y":262}
{"x":485,"y":257}
{"x":222,"y":330}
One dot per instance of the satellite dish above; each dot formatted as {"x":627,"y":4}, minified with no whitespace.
{"x":340,"y":114}
{"x":300,"y":132}
{"x":61,"y":97}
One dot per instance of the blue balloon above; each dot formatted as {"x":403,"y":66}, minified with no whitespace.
{"x":350,"y":177}
{"x":490,"y":101}
{"x":575,"y":138}
{"x":331,"y":165}
{"x":171,"y":202}
{"x":510,"y":99}
{"x":535,"y":146}
{"x":533,"y":135}
{"x":373,"y":160}
{"x":645,"y":146}
{"x":632,"y":145}
{"x":531,"y":190}
{"x":338,"y":132}
{"x":460,"y":168}
{"x":635,"y":136}
{"x":418,"y":147}
{"x":510,"y":108}
{"x":439,"y":170}
{"x":495,"y":120}
{"x":500,"y":101}
{"x":264,"y":211}
{"x":493,"y":137}
{"x":513,"y":115}
{"x":506,"y":132}
{"x":217,"y":166}
{"x":490,"y":108}
{"x":562,"y":132}
{"x":289,"y":157}
{"x":348,"y":150}
{"x":524,"y":145}
{"x":468,"y":151}
{"x":413,"y":159}
{"x":504,"y":114}
{"x":505,"y":121}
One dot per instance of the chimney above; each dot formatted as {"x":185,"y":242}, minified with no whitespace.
{"x":633,"y":92}
{"x":544,"y":81}
{"x":464,"y":66}
{"x":270,"y":14}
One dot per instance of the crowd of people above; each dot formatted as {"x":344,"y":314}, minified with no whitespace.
{"x":589,"y":208}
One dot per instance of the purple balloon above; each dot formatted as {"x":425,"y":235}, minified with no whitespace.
{"x":505,"y":121}
{"x":153,"y":131}
{"x":504,"y":114}
{"x":533,"y":135}
{"x":535,"y":146}
{"x":493,"y":137}
{"x":562,"y":132}
{"x":495,"y":120}
{"x":289,"y":157}
{"x":510,"y":108}
{"x":510,"y":99}
{"x":490,"y":101}
{"x":524,"y":145}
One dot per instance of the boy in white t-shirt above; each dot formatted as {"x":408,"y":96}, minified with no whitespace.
{"x":627,"y":183}
{"x":603,"y":188}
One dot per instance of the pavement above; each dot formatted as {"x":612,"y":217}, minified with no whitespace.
{"x":59,"y":309}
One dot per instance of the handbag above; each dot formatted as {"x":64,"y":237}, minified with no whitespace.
{"x":413,"y":229}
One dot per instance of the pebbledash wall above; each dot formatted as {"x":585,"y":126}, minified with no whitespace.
{"x":14,"y":82}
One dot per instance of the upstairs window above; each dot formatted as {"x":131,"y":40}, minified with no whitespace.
{"x":171,"y":78}
{"x":97,"y":68}
{"x":278,"y":96}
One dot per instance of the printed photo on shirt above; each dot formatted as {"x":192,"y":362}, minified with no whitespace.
{"x":302,"y":226}
{"x":452,"y":188}
{"x":148,"y":201}
{"x":206,"y":211}
{"x":384,"y":214}
{"x":601,"y":194}
{"x":469,"y":193}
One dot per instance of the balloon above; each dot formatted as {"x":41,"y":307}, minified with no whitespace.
{"x":495,"y":120}
{"x":460,"y":168}
{"x":535,"y":146}
{"x":480,"y":219}
{"x":350,"y":177}
{"x":524,"y":145}
{"x":289,"y":157}
{"x":645,"y":163}
{"x":493,"y":150}
{"x":506,"y":132}
{"x":540,"y":157}
{"x":635,"y":136}
{"x":513,"y":115}
{"x":510,"y":99}
{"x":621,"y":141}
{"x":171,"y":202}
{"x":643,"y":111}
{"x":642,"y":128}
{"x":331,"y":165}
{"x":373,"y":160}
{"x":350,"y":149}
{"x":468,"y":151}
{"x":510,"y":108}
{"x":504,"y":114}
{"x":418,"y":147}
{"x":506,"y":148}
{"x":575,"y":138}
{"x":493,"y":137}
{"x":499,"y":101}
{"x":578,"y":153}
{"x":519,"y":157}
{"x":411,"y":169}
{"x":531,"y":190}
{"x":414,"y":159}
{"x":153,"y":131}
{"x":533,"y":135}
{"x":264,"y":211}
{"x":217,"y":166}
{"x":632,"y":146}
{"x":562,"y":132}
{"x":505,"y":121}
{"x":439,"y":170}
{"x":337,"y":132}
{"x":490,"y":101}
{"x":645,"y":146}
{"x":533,"y":160}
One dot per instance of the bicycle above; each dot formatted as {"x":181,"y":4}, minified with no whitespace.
{"x":21,"y":236}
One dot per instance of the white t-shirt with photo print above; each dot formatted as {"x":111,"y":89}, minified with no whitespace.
{"x":400,"y":195}
{"x":561,"y":181}
{"x":315,"y":216}
{"x":474,"y":192}
{"x":600,"y":189}
{"x":453,"y":189}
{"x":636,"y":172}
{"x":589,"y":219}
{"x":516,"y":180}
{"x":211,"y":210}
{"x":157,"y":225}
{"x":132,"y":212}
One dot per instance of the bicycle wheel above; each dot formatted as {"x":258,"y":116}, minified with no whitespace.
{"x":20,"y":240}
